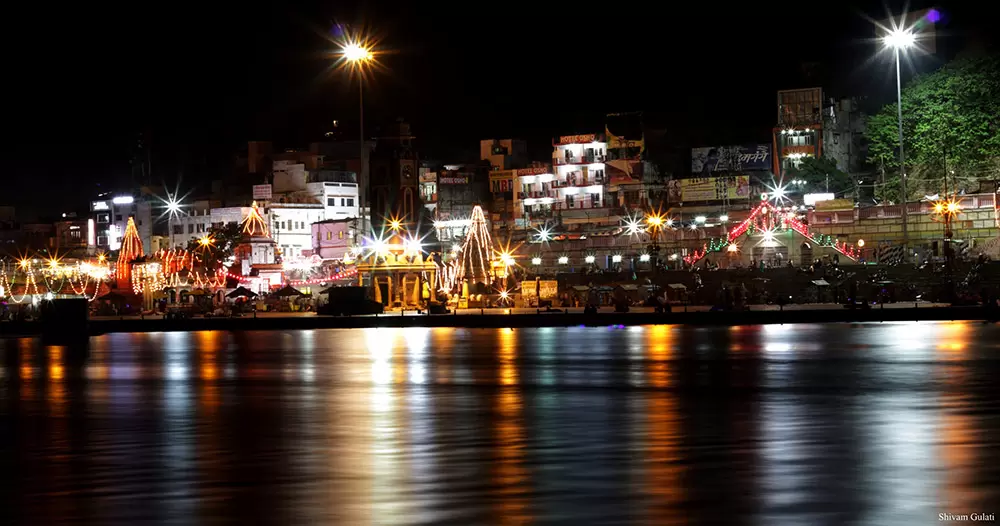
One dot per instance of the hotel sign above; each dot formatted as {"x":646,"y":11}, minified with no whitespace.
{"x":537,"y":170}
{"x":577,"y":139}
{"x":453,"y":180}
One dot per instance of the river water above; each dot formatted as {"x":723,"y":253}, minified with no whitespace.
{"x":811,"y":424}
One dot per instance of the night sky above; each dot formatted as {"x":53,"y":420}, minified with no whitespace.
{"x":200,"y":79}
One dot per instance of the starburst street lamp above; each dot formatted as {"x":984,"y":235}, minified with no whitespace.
{"x":900,"y":39}
{"x":357,"y":54}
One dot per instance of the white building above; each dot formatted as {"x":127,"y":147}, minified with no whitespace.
{"x":110,"y":215}
{"x":198,"y":220}
{"x":578,"y":180}
{"x":291,"y":226}
{"x":336,"y":190}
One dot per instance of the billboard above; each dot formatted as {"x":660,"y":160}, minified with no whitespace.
{"x":708,"y":189}
{"x":546,"y":289}
{"x":710,"y":159}
{"x":262,"y":192}
{"x":502,"y":181}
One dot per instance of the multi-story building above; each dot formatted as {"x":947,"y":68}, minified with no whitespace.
{"x":71,"y":235}
{"x":504,"y":154}
{"x":394,"y":190}
{"x":198,"y":220}
{"x":799,"y":128}
{"x":428,"y":187}
{"x":459,"y":189}
{"x":576,"y":190}
{"x":843,"y":135}
{"x":111,"y":213}
{"x":332,"y":238}
{"x":291,"y":227}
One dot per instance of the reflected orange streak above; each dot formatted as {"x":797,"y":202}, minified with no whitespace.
{"x":658,"y":346}
{"x":509,"y":473}
{"x":441,"y":339}
{"x":953,"y":340}
{"x":57,"y":389}
{"x":958,"y":442}
{"x":507,"y":372}
{"x":25,"y":350}
{"x":665,"y":470}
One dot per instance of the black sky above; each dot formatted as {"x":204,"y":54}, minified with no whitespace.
{"x":203,"y":78}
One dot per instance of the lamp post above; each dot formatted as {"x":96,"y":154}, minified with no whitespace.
{"x":357,"y":56}
{"x":898,"y":40}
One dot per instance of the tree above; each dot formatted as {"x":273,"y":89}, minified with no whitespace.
{"x":223,"y":243}
{"x":949,"y":128}
{"x":822,"y":175}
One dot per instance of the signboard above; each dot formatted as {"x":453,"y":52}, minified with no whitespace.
{"x":262,"y":192}
{"x":710,"y":159}
{"x":709,"y":189}
{"x":834,"y":204}
{"x":578,"y":139}
{"x":547,"y":289}
{"x":502,"y":181}
{"x":536,"y":170}
{"x":453,"y":180}
{"x":428,"y":177}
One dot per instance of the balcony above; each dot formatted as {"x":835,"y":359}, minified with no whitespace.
{"x":586,"y":159}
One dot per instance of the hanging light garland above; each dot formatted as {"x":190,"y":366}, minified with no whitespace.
{"x":254,"y":224}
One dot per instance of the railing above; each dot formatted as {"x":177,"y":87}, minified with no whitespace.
{"x":586,"y":159}
{"x":965,"y":202}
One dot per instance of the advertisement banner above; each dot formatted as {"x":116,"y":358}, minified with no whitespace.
{"x":710,"y":159}
{"x":624,"y":171}
{"x":709,"y":189}
{"x":502,"y":181}
{"x":546,"y":289}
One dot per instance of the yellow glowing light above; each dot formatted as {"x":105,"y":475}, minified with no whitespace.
{"x":354,"y":52}
{"x":206,"y":241}
{"x":953,"y":207}
{"x":938,"y":207}
{"x":24,"y":263}
{"x":861,"y":242}
{"x":101,"y":258}
{"x":654,"y":220}
{"x":733,"y":247}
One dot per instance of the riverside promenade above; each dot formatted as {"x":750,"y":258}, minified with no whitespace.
{"x":521,"y":318}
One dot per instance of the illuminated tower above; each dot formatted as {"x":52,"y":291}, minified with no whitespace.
{"x":477,"y":250}
{"x":131,"y":250}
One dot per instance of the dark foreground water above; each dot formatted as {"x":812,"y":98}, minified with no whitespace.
{"x":812,"y":424}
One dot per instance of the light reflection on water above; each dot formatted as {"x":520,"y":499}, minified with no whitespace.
{"x":873,"y":424}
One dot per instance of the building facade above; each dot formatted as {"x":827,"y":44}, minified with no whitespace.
{"x":799,"y":130}
{"x":394,"y":177}
{"x":111,"y":213}
{"x":332,"y":238}
{"x":504,"y":154}
{"x":291,"y":227}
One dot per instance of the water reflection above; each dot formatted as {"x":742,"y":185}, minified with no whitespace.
{"x":872,"y":424}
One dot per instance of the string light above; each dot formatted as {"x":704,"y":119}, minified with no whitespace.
{"x":131,"y":250}
{"x":254,"y":224}
{"x":477,"y":250}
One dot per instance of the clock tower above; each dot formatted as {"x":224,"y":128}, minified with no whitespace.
{"x":394,"y":187}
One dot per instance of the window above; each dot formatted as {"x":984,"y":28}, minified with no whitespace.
{"x":190,"y":229}
{"x":102,"y":218}
{"x":329,"y":235}
{"x":343,"y":202}
{"x":331,"y":201}
{"x":350,"y":201}
{"x":118,"y":217}
{"x":340,"y":235}
{"x":75,"y":233}
{"x":102,"y":241}
{"x":178,"y":229}
{"x":201,"y":228}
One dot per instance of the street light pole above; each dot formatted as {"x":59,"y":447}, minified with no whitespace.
{"x":362,"y":180}
{"x":902,"y":156}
